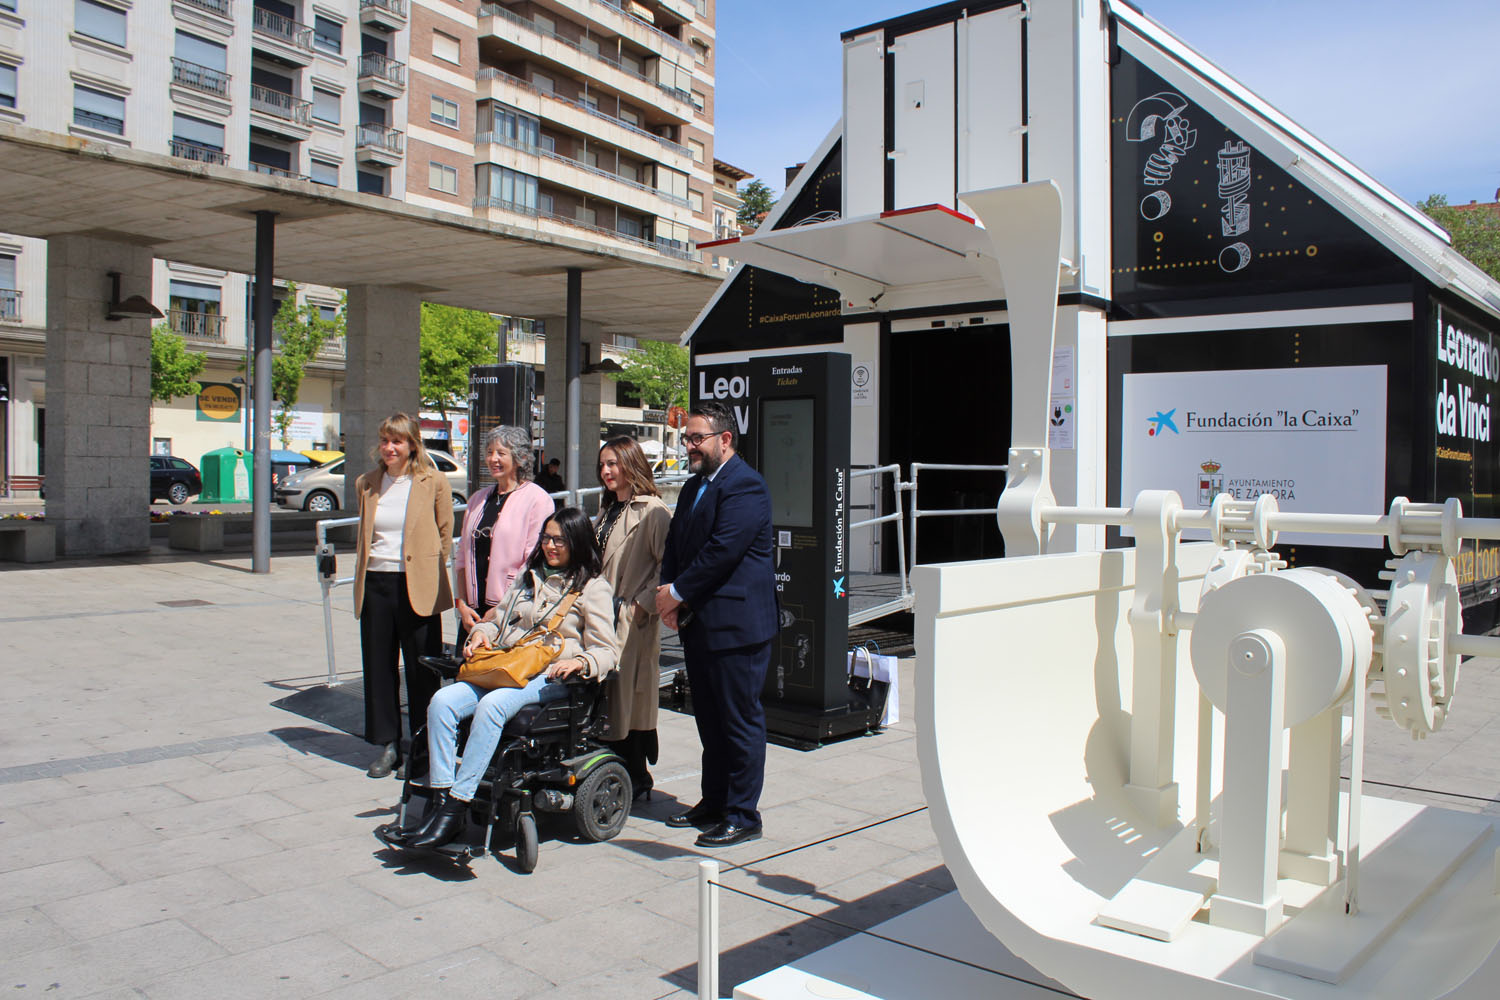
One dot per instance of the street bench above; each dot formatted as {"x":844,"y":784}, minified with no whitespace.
{"x":28,"y":541}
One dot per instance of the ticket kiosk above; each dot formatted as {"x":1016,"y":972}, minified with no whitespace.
{"x":793,"y":416}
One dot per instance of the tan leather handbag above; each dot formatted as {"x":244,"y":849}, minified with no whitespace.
{"x":516,"y":665}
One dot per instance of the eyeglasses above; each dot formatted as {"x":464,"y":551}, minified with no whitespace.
{"x":557,"y":540}
{"x":694,"y":440}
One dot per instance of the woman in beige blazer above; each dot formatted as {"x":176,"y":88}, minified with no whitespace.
{"x":401,"y":585}
{"x":632,"y":531}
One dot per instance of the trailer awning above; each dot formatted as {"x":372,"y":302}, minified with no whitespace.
{"x":862,"y":258}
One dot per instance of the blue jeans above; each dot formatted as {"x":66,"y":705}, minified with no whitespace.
{"x":491,"y":710}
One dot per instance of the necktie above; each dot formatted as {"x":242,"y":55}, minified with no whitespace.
{"x":698,"y":496}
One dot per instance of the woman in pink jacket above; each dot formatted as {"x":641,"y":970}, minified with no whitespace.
{"x":500,"y":528}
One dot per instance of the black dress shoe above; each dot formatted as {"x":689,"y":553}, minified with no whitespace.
{"x":382,"y":765}
{"x":700,"y":815}
{"x":446,"y":824}
{"x":727,"y":834}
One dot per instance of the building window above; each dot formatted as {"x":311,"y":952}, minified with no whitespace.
{"x":699,"y":101}
{"x":542,"y":82}
{"x":695,"y":199}
{"x":629,"y":227}
{"x":627,"y":393}
{"x":630,"y":117}
{"x":510,"y":188}
{"x":328,"y":35}
{"x":328,"y":314}
{"x":441,"y":177}
{"x":700,"y":50}
{"x":7,"y":85}
{"x":672,"y":182}
{"x":544,"y":204}
{"x":325,"y":173}
{"x":7,"y":266}
{"x":8,"y":5}
{"x":516,"y":128}
{"x":326,"y":106}
{"x":97,"y":110}
{"x":444,"y":111}
{"x":370,"y":182}
{"x":107,"y":24}
{"x":197,"y":139}
{"x":270,"y":156}
{"x":201,"y":52}
{"x":699,"y":153}
{"x":445,"y":47}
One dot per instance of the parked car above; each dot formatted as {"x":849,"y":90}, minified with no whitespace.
{"x":174,"y":479}
{"x":322,"y":489}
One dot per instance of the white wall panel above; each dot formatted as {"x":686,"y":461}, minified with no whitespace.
{"x":925,"y":107}
{"x":989,"y":100}
{"x":864,"y":125}
{"x":1051,"y":95}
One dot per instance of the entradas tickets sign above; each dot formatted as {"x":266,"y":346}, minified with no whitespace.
{"x":1314,"y":438}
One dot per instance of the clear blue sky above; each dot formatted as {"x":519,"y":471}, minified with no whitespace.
{"x":1410,"y":92}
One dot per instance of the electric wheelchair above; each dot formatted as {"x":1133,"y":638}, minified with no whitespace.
{"x":549,"y":759}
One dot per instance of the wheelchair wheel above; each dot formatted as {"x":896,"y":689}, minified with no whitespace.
{"x":602,"y":803}
{"x":527,"y":845}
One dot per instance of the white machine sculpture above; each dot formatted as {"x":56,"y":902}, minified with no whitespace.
{"x":1167,"y":818}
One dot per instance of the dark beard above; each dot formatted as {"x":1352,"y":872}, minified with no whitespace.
{"x":707,"y":465}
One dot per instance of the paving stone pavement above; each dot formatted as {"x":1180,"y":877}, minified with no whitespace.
{"x":168,"y":832}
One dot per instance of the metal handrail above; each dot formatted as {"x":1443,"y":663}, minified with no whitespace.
{"x":494,"y":73}
{"x":266,"y":168}
{"x":618,"y":7}
{"x":565,"y":220}
{"x":198,"y":326}
{"x":280,"y":105}
{"x":917,"y":513}
{"x":197,"y":152}
{"x":204,"y":78}
{"x":373,"y":64}
{"x":220,"y":7}
{"x":526,"y":147}
{"x":10,"y":305}
{"x":495,"y":10}
{"x":397,"y":7}
{"x":376,"y":134}
{"x":275,"y":25}
{"x":907,"y":599}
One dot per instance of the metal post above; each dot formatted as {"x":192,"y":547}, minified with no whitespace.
{"x":260,"y":491}
{"x":574,"y":368}
{"x":708,"y":930}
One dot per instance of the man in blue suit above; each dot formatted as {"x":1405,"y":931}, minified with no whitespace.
{"x":718,"y":590}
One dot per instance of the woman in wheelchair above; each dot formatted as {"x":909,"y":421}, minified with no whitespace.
{"x":566,"y":559}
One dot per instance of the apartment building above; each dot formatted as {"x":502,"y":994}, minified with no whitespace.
{"x":590,"y":118}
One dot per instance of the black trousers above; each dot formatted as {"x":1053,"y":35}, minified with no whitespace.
{"x":727,"y":684}
{"x":388,"y":626}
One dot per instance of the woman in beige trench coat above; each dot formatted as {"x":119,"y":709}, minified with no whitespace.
{"x":632,"y":530}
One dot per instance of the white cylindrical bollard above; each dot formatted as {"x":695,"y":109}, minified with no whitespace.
{"x":708,"y":930}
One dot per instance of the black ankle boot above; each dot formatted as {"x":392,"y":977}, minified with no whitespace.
{"x":445,"y":826}
{"x":434,"y":806}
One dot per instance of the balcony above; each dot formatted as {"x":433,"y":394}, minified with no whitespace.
{"x":662,"y":247}
{"x":219,"y":7}
{"x":621,"y":18}
{"x":10,"y":305}
{"x":280,"y":113}
{"x":291,"y":40}
{"x":332,"y":349}
{"x":598,"y":124}
{"x":383,"y":15}
{"x":197,"y":327}
{"x":266,"y":168}
{"x":199,"y":153}
{"x":377,"y":143}
{"x":381,"y":75}
{"x":527,"y":35}
{"x":200,"y":78}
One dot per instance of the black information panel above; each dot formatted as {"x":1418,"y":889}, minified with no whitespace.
{"x":498,"y":394}
{"x":793,"y":414}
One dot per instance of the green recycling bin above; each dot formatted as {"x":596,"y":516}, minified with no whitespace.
{"x":227,"y":475}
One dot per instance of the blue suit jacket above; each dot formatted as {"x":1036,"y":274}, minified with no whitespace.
{"x":719,"y":557}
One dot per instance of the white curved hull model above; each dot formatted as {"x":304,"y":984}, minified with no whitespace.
{"x":1142,"y":850}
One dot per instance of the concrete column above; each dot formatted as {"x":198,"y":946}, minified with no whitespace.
{"x":556,"y":414}
{"x":381,"y":368}
{"x":98,"y":399}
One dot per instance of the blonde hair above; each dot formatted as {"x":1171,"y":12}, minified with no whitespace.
{"x":403,"y":425}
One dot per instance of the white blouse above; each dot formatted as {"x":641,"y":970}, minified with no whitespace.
{"x":390,"y":521}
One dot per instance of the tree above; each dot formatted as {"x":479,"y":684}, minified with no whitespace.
{"x":453,"y":341}
{"x":1475,"y":230}
{"x":659,"y":371}
{"x":174,"y":369}
{"x":758,"y":200}
{"x":300,"y":332}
